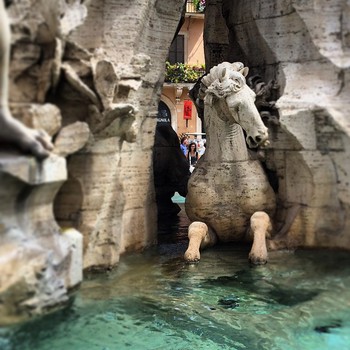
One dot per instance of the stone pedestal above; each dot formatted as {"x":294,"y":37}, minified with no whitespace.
{"x":38,"y":263}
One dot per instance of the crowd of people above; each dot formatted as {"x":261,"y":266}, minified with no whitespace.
{"x":193,"y":149}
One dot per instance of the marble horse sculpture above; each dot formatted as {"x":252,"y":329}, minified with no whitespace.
{"x":229,"y":196}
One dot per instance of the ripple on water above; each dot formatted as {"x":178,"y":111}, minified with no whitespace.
{"x":155,"y":301}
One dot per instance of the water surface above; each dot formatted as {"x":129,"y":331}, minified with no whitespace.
{"x":299,"y":300}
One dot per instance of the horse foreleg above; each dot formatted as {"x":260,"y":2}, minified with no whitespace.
{"x":260,"y":228}
{"x":200,"y":237}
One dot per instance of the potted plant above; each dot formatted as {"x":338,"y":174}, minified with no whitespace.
{"x":183,"y":73}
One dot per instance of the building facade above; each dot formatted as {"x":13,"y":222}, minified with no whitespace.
{"x":185,"y":65}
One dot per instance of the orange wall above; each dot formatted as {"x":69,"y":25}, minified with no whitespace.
{"x":193,"y":31}
{"x":194,"y":54}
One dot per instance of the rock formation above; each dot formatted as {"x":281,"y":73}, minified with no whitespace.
{"x":97,"y":68}
{"x":304,"y":47}
{"x":90,"y":74}
{"x":39,"y":261}
{"x":109,"y":195}
{"x":95,"y":91}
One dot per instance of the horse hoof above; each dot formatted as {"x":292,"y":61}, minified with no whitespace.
{"x":191,"y":258}
{"x":255,"y":260}
{"x":192,"y":262}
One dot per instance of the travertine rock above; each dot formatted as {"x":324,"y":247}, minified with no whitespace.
{"x":46,"y":117}
{"x":38,"y":264}
{"x":74,"y":274}
{"x":303,"y":46}
{"x":114,"y":202}
{"x":106,"y":74}
{"x":105,"y":82}
{"x":71,"y":139}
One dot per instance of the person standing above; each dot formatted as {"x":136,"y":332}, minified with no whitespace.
{"x":184,"y":144}
{"x":192,"y":156}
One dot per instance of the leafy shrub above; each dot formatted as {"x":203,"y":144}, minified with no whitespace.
{"x":183,"y":73}
{"x":199,"y":5}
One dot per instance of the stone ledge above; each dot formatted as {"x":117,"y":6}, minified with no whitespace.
{"x":31,"y":171}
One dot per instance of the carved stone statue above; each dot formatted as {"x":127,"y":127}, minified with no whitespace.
{"x":12,"y":131}
{"x":71,"y":62}
{"x":40,"y":262}
{"x":229,"y":197}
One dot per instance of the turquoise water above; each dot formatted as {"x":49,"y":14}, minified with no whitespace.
{"x":299,"y":300}
{"x":178,"y":199}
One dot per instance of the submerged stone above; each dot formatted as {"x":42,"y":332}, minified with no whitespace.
{"x":229,"y":302}
{"x":329,"y":327}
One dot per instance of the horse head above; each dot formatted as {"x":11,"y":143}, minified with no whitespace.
{"x":226,"y":86}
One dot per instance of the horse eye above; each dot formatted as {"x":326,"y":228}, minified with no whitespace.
{"x":237,"y":84}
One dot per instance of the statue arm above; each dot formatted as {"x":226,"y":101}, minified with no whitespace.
{"x":11,"y":130}
{"x":4,"y":55}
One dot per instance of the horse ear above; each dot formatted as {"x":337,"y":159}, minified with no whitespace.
{"x":223,"y":72}
{"x":244,"y":71}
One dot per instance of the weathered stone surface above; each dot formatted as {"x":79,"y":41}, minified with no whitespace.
{"x":77,"y":84}
{"x":74,"y":274}
{"x":105,"y":81}
{"x":38,"y":264}
{"x":38,"y":30}
{"x":46,"y":117}
{"x":71,"y":139}
{"x":229,"y":194}
{"x":109,"y":196}
{"x":115,"y":206}
{"x":303,"y":47}
{"x":34,"y":289}
{"x":107,"y":74}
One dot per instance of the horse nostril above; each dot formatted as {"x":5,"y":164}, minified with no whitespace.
{"x":251,"y":142}
{"x":258,"y":139}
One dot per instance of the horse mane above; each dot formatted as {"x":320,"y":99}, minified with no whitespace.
{"x":222,"y":80}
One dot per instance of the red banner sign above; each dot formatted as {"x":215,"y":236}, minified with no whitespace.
{"x":187,"y":109}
